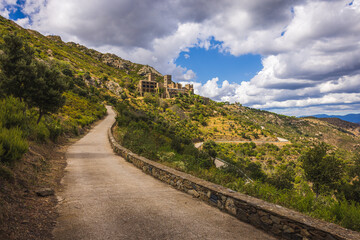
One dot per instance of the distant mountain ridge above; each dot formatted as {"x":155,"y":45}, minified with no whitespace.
{"x":354,"y":118}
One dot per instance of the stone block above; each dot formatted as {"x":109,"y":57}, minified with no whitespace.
{"x":266,"y":220}
{"x":242,"y":215}
{"x":275,"y":219}
{"x":44,"y":192}
{"x":288,"y":229}
{"x":187,"y":184}
{"x":276,"y":229}
{"x":220,"y":204}
{"x":304,"y":233}
{"x":255,"y":220}
{"x":262,"y":213}
{"x":213,"y":198}
{"x":194,"y":193}
{"x":241,"y":205}
{"x":253,"y":210}
{"x":230,"y":206}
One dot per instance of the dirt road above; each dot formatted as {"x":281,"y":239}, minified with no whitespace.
{"x":105,"y":197}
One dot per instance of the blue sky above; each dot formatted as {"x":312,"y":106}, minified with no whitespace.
{"x":292,"y":57}
{"x":210,"y":63}
{"x":17,"y":13}
{"x":12,"y":9}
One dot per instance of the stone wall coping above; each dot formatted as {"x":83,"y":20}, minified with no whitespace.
{"x":333,"y":230}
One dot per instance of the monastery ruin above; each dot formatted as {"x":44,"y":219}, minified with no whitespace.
{"x":168,"y":89}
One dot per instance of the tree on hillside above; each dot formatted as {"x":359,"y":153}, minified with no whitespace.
{"x":33,"y":82}
{"x":351,"y":187}
{"x":209,"y":148}
{"x":283,"y":177}
{"x":255,"y":171}
{"x":46,"y":91}
{"x":17,"y":67}
{"x":355,"y":169}
{"x":321,"y":168}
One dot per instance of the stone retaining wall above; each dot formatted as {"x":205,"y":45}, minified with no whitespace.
{"x":281,"y":222}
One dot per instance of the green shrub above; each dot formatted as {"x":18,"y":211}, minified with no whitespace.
{"x":204,"y":160}
{"x":12,"y":113}
{"x":166,"y":156}
{"x":283,"y":178}
{"x":322,"y":167}
{"x":40,"y":132}
{"x":13,"y":144}
{"x":255,"y":172}
{"x":75,"y":130}
{"x":209,"y":148}
{"x":351,"y":191}
{"x":176,"y":144}
{"x":347,"y":214}
{"x":55,"y":129}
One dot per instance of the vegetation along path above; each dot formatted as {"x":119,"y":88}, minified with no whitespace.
{"x":105,"y":197}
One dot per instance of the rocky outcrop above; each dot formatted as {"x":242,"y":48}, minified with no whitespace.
{"x":112,"y":60}
{"x":49,"y":52}
{"x":115,"y":61}
{"x":55,"y":38}
{"x":114,"y":87}
{"x":91,"y":82}
{"x":146,"y":70}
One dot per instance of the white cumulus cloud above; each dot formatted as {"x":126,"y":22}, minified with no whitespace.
{"x":310,"y":49}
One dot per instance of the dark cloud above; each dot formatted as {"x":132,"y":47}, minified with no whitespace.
{"x":294,"y":85}
{"x":271,"y":12}
{"x":128,"y":23}
{"x":319,"y":66}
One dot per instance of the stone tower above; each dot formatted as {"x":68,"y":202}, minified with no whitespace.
{"x":151,"y":77}
{"x":167,"y":80}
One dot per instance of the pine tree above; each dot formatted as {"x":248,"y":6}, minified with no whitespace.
{"x":32,"y":81}
{"x":17,"y":65}
{"x":322,"y":169}
{"x":46,"y":91}
{"x":209,"y":148}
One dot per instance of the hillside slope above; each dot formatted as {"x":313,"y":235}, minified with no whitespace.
{"x":354,"y":128}
{"x":165,"y":129}
{"x":97,"y":69}
{"x":114,"y":76}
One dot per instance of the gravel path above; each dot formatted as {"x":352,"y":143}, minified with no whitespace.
{"x":105,"y":197}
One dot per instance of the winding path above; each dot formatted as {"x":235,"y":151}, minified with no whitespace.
{"x":105,"y":197}
{"x":281,"y":141}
